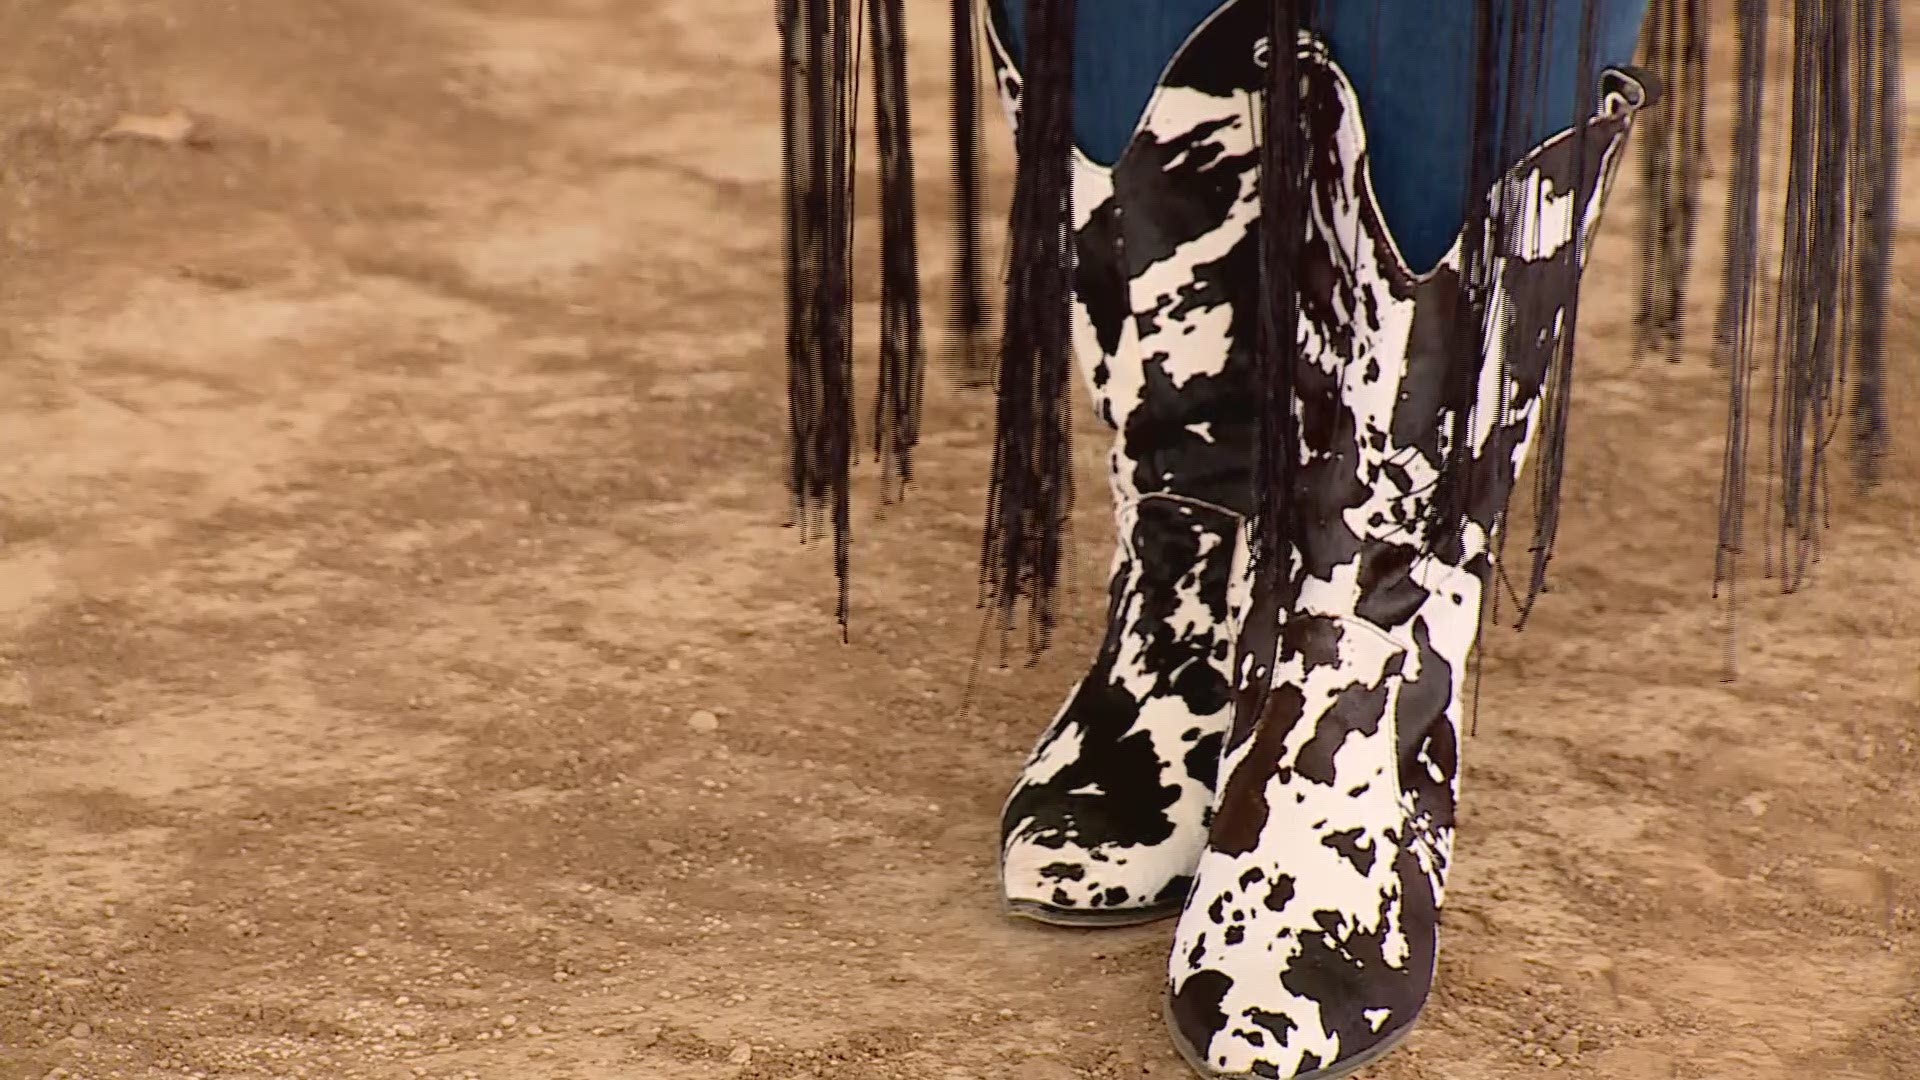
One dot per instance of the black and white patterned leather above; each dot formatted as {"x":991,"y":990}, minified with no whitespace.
{"x":1109,"y":814}
{"x":1308,"y":944}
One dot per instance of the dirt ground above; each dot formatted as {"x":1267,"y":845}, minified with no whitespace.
{"x":404,"y":671}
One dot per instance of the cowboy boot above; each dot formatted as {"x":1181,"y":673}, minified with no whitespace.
{"x":1308,"y":945}
{"x":1109,"y":813}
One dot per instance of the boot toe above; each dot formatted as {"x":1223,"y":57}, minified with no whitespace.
{"x":1306,"y":962}
{"x":1045,"y":878}
{"x":1218,"y":1046}
{"x":1103,"y":830}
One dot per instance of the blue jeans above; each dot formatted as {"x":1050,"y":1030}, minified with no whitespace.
{"x":1410,"y":60}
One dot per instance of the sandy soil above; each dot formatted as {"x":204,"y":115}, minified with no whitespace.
{"x":389,"y":477}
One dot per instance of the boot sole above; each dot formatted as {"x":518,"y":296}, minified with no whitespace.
{"x":1332,"y":1072}
{"x":1087,"y":920}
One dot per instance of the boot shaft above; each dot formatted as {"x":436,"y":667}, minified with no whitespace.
{"x":1165,"y":272}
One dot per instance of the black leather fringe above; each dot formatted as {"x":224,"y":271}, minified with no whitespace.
{"x":1478,"y":249}
{"x":1816,"y":320}
{"x":1031,"y":487}
{"x":1814,"y":327}
{"x":1284,"y":168}
{"x":1511,"y":66}
{"x":1802,"y":306}
{"x":970,"y":361}
{"x":816,"y":92}
{"x":818,"y":86}
{"x":1880,"y":120}
{"x":1673,"y":161}
{"x":1552,"y":438}
{"x":896,"y":405}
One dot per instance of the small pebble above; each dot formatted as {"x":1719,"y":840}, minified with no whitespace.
{"x":704,"y":722}
{"x":742,"y":1055}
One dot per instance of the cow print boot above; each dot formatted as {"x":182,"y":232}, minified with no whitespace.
{"x":1109,"y":814}
{"x":1307,"y":948}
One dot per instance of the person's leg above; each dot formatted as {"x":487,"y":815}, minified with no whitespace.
{"x":1308,"y":945}
{"x":1408,"y":60}
{"x":1108,"y":815}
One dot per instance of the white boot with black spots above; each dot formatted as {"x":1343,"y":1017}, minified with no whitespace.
{"x":1109,"y":815}
{"x":1308,"y":946}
